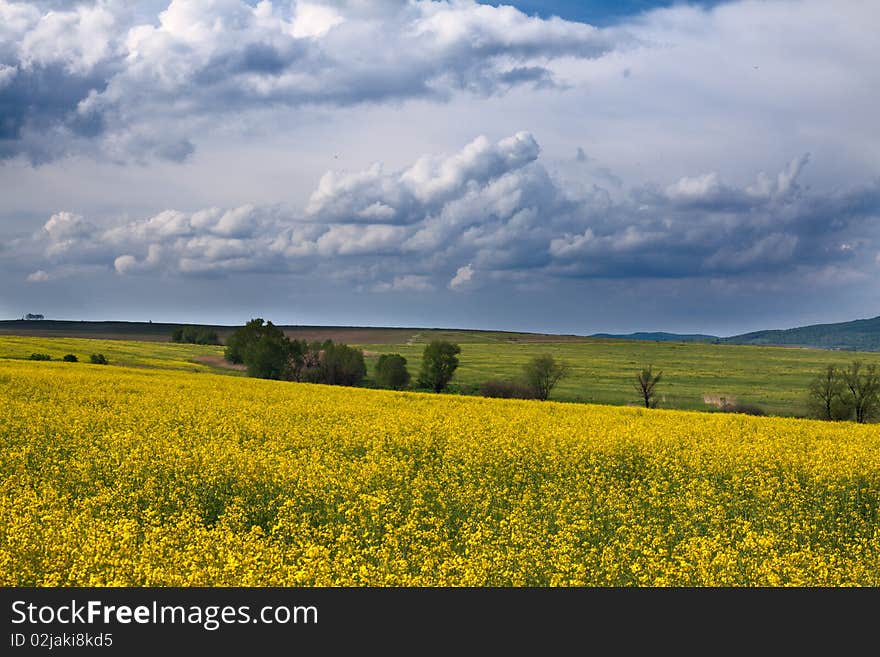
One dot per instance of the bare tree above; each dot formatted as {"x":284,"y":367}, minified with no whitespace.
{"x":826,"y":395}
{"x":862,"y":390}
{"x":542,"y":373}
{"x":646,"y":385}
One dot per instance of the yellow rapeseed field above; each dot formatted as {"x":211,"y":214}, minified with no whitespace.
{"x":115,"y":476}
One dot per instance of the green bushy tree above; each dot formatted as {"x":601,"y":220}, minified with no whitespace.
{"x":391,"y":371}
{"x":439,"y":362}
{"x":262,"y":347}
{"x":342,"y":365}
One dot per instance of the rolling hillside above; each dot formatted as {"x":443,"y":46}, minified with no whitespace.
{"x":857,"y":335}
{"x":860,"y":335}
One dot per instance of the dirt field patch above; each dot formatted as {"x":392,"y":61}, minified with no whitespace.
{"x":719,"y":400}
{"x":219,"y":361}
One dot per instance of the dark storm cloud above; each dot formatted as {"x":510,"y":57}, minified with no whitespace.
{"x":45,"y":99}
{"x":488,"y":212}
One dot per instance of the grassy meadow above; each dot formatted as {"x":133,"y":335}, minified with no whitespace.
{"x":142,"y":476}
{"x":774,"y":378}
{"x":127,"y":353}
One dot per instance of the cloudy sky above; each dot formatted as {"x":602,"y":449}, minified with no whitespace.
{"x":566,"y":167}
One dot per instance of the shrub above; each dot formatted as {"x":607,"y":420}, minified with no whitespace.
{"x":70,"y":358}
{"x":98,"y":359}
{"x":741,"y":407}
{"x":391,"y":371}
{"x":195,"y":335}
{"x":41,"y":357}
{"x":507,"y":390}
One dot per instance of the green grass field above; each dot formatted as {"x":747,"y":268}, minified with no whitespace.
{"x":129,"y":353}
{"x":601,"y":371}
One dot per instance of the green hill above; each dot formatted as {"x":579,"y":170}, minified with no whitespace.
{"x":858,"y":335}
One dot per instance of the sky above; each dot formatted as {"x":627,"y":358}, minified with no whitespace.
{"x":561,"y":167}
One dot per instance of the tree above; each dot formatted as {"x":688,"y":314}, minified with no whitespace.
{"x":297,"y":351}
{"x":262,"y":347}
{"x":98,"y":359}
{"x":70,"y":358}
{"x":310,"y":364}
{"x":241,"y":338}
{"x":266,"y":357}
{"x":542,"y":373}
{"x":439,"y":362}
{"x":391,"y":371}
{"x":342,"y":365}
{"x":862,"y":390}
{"x":826,"y":395}
{"x":646,"y":385}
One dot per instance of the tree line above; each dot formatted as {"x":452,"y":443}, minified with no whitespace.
{"x":836,"y":393}
{"x":195,"y":335}
{"x":267,"y":353}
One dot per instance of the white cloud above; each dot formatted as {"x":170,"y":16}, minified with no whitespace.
{"x":700,"y":187}
{"x":313,"y":20}
{"x":63,"y":226}
{"x":6,"y":74}
{"x":405,"y":283}
{"x":78,"y":39}
{"x":406,"y":196}
{"x":463,"y":276}
{"x":38,"y":276}
{"x":140,"y":87}
{"x":128,"y":264}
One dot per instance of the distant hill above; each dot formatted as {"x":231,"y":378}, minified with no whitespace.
{"x":858,"y":335}
{"x":161,"y":332}
{"x":144,"y":331}
{"x":660,"y":336}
